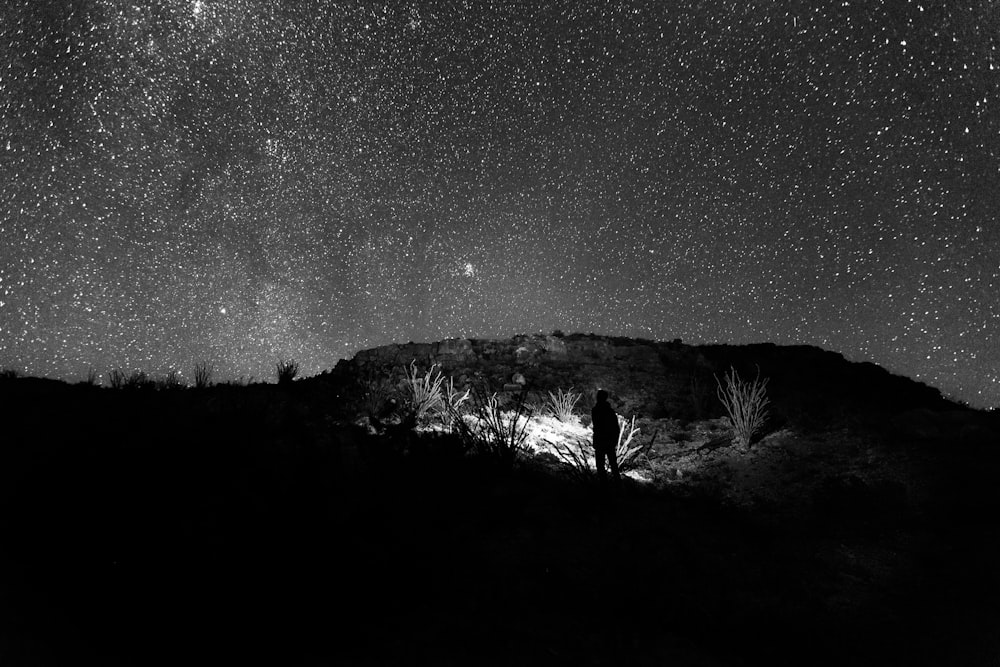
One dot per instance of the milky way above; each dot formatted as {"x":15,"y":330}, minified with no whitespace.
{"x":240,"y":181}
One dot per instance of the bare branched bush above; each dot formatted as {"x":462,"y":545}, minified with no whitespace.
{"x":286,"y":371}
{"x":376,"y":395}
{"x":9,"y":374}
{"x":116,"y":378}
{"x":119,"y":379}
{"x":560,"y":405}
{"x":495,"y":433}
{"x":202,"y":375}
{"x":169,"y":381}
{"x":746,"y":403}
{"x":701,"y":397}
{"x":425,"y":392}
{"x":138,"y":380}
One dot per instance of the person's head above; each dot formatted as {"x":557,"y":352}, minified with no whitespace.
{"x":602,"y":395}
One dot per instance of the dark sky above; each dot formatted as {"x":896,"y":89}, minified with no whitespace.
{"x":243,"y":180}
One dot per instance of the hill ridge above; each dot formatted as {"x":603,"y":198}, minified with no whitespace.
{"x":658,"y":378}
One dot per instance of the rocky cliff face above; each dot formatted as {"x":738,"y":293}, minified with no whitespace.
{"x":654,"y":378}
{"x":642,"y":376}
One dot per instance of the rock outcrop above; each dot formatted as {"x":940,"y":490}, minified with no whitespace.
{"x":655,"y":378}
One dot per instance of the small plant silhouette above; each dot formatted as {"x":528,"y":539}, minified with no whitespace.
{"x":286,"y":371}
{"x":116,"y":378}
{"x":579,"y":458}
{"x":119,"y":379}
{"x":138,"y":380}
{"x":170,"y":381}
{"x":746,"y":403}
{"x":202,"y":375}
{"x":375,"y":399}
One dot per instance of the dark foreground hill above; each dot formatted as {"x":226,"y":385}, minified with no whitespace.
{"x":283,"y":525}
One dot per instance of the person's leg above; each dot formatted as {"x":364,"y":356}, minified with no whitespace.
{"x":613,"y":464}
{"x":599,"y":455}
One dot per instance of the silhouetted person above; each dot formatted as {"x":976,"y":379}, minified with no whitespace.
{"x":605,"y":435}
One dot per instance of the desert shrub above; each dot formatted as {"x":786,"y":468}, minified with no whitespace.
{"x":425,"y":392}
{"x":286,"y":371}
{"x":746,"y":404}
{"x":91,"y":378}
{"x":579,"y":458}
{"x":138,"y":380}
{"x":376,"y":398}
{"x":116,"y":378}
{"x":629,"y":455}
{"x":9,"y":374}
{"x":495,"y":433}
{"x":169,"y":381}
{"x":560,"y":405}
{"x":452,"y":401}
{"x":700,"y":397}
{"x":202,"y":375}
{"x":119,"y":379}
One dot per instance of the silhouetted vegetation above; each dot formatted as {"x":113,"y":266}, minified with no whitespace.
{"x":116,"y":378}
{"x":377,"y":394}
{"x":490,"y":431}
{"x":203,"y":372}
{"x":170,"y":381}
{"x":286,"y":371}
{"x":133,"y":381}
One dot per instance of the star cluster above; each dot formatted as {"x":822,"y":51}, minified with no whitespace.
{"x":245,"y":180}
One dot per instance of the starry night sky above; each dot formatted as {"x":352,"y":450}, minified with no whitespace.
{"x":243,"y":180}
